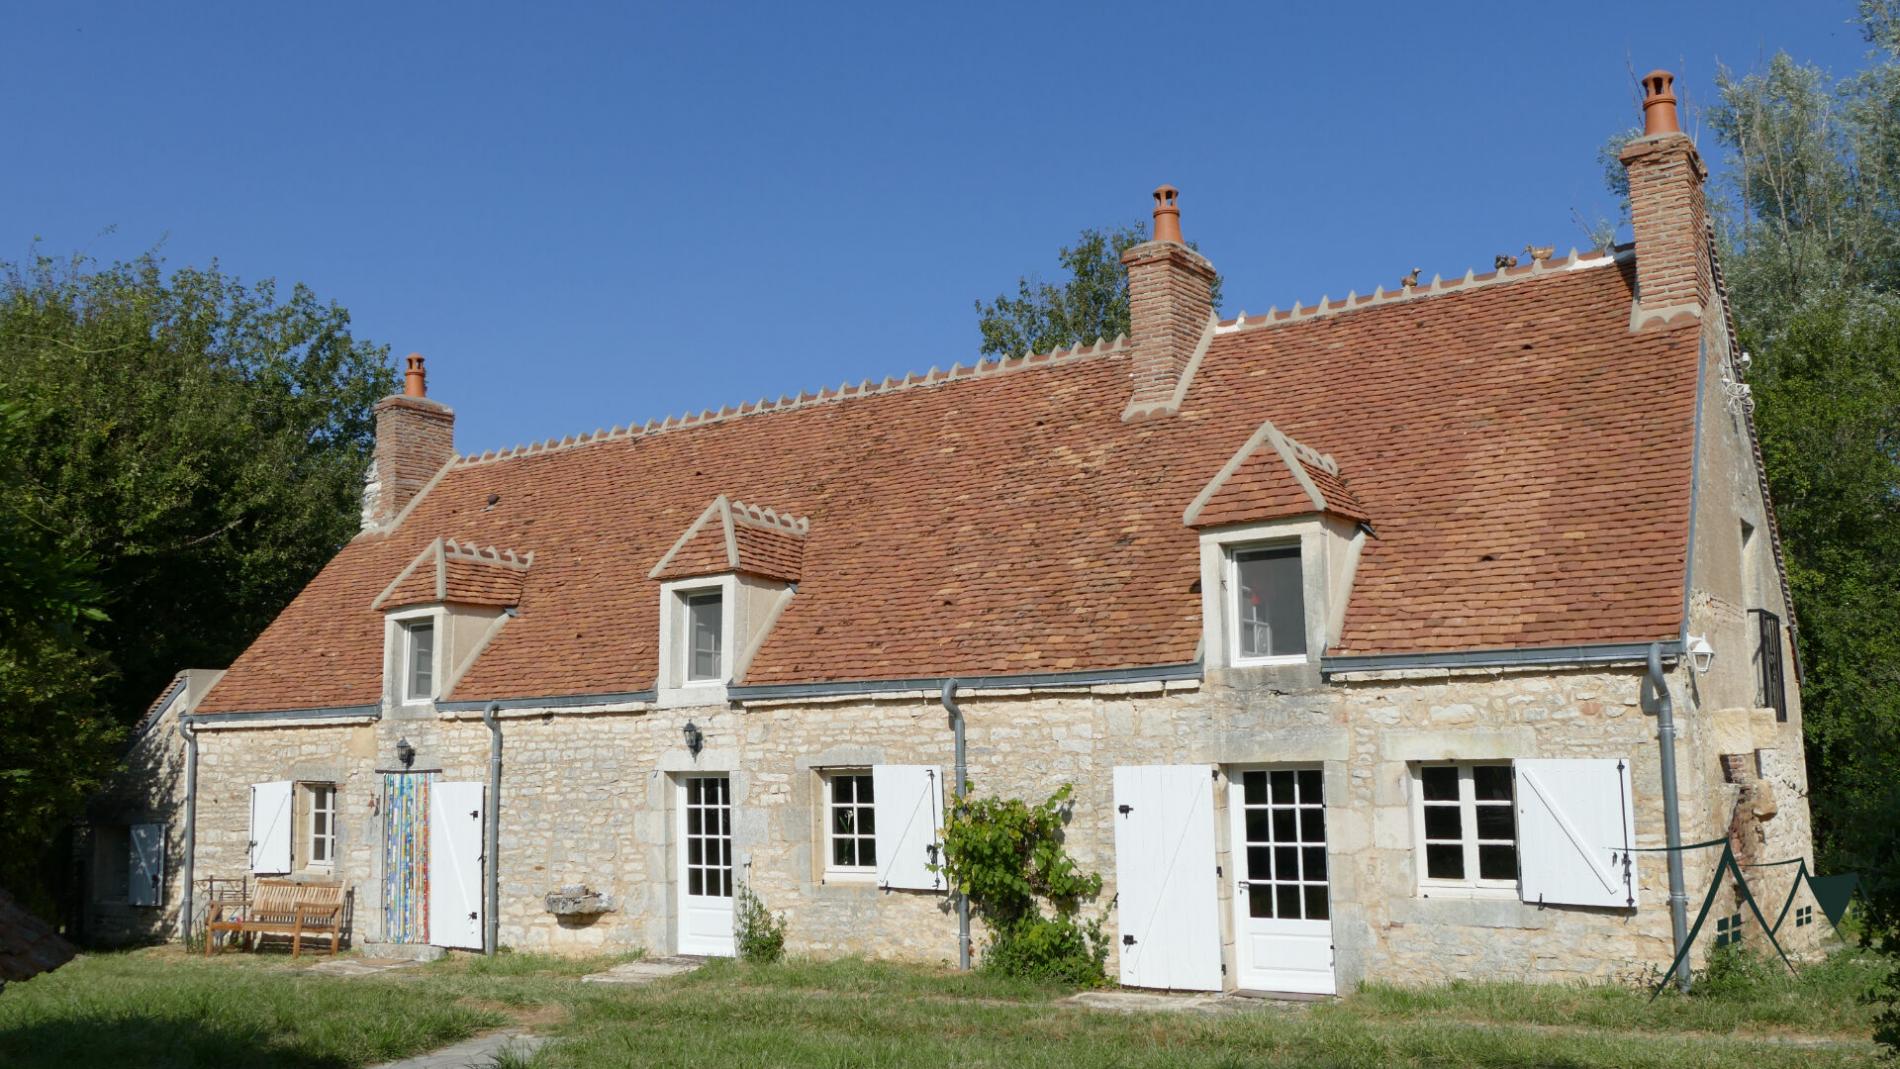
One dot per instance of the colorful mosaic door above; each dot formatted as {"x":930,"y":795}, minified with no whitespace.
{"x":406,"y":857}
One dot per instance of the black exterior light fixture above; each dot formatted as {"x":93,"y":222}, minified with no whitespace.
{"x":695,"y":739}
{"x":405,"y":753}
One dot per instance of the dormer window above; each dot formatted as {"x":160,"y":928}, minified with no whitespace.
{"x":1267,"y":604}
{"x":705,"y":646}
{"x":418,"y":674}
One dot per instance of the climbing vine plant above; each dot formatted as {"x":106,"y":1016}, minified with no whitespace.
{"x":1008,"y":857}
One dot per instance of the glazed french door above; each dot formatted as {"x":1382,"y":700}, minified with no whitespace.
{"x":1282,"y":898}
{"x":705,"y":865}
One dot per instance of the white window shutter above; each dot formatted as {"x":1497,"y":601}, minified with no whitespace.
{"x":146,"y":887}
{"x":1576,"y":828}
{"x":455,"y":865}
{"x":1167,"y":902}
{"x":909,"y":808}
{"x":270,"y":828}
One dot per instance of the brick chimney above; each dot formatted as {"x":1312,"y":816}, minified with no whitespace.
{"x":415,"y":437}
{"x":1668,"y":210}
{"x":1170,"y":310}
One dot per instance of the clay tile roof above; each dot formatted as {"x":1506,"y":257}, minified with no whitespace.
{"x":452,"y":572}
{"x":731,"y":536}
{"x":1273,"y":477}
{"x":1523,"y":456}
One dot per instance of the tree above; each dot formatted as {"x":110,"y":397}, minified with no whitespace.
{"x":184,"y":453}
{"x":1090,"y":303}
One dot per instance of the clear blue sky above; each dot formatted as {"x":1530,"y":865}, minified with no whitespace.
{"x":590,"y":215}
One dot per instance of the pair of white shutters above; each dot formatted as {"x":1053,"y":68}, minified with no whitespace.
{"x":455,"y":853}
{"x":909,"y":833}
{"x":1576,"y":832}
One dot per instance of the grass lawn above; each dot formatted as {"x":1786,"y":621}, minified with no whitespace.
{"x":161,"y":1008}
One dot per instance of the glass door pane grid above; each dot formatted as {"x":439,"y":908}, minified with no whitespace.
{"x":1284,"y":814}
{"x":708,"y":837}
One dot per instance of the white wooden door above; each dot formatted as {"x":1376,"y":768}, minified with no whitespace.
{"x":705,"y":865}
{"x":1283,"y":929}
{"x":1167,"y":887}
{"x":455,"y":865}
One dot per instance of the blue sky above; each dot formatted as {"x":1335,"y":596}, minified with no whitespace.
{"x":586,"y":215}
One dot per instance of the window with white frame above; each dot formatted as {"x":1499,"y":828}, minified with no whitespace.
{"x":1466,"y":824}
{"x":705,"y":622}
{"x":850,"y":822}
{"x":1266,"y":604}
{"x":418,"y":660}
{"x":320,"y":826}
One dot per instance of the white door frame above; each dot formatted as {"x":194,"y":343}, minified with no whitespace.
{"x":703,"y":859}
{"x":1289,"y":838}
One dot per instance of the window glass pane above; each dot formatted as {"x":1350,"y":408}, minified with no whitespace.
{"x":1497,"y":862}
{"x":1259,"y":900}
{"x":1313,"y":863}
{"x":1272,"y":603}
{"x":1442,"y":822}
{"x":1493,"y":782}
{"x":1286,"y":862}
{"x":1311,"y":792}
{"x":421,"y":660}
{"x":841,"y":819}
{"x":863,"y":788}
{"x":1257,"y":831}
{"x":1316,"y":902}
{"x":867,"y":820}
{"x":1255,"y":786}
{"x":1313,"y":825}
{"x":1283,"y":825}
{"x":1287,"y":903}
{"x":1496,"y":822}
{"x":1283,"y":788}
{"x":1440,"y":783}
{"x":1445,"y":862}
{"x":841,"y":852}
{"x":704,"y":613}
{"x":695,"y":881}
{"x":1259,"y":862}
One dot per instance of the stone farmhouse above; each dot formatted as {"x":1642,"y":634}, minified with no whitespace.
{"x":1381,"y":638}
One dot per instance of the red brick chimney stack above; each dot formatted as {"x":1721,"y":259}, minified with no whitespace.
{"x":1668,"y":210}
{"x":415,"y":438}
{"x":1170,"y":310}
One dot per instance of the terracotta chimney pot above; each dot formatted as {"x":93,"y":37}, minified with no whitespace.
{"x":415,"y":380}
{"x":1168,"y":215}
{"x":1659,"y":104}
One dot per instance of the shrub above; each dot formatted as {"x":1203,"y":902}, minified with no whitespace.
{"x":1737,"y":971}
{"x":1007,"y":856}
{"x":760,"y":933}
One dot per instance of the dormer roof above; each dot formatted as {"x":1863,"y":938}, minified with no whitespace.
{"x":457,"y":573}
{"x":731,"y":537}
{"x":1272,"y":477}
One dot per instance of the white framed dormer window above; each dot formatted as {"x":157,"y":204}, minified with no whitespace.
{"x":697,"y":639}
{"x":320,"y":827}
{"x":1464,"y":820}
{"x":850,"y":824}
{"x":1265,"y":595}
{"x":417,"y":655}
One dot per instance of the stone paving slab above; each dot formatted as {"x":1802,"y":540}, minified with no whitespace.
{"x":1128,"y":1001}
{"x":646,"y":970}
{"x":360,"y":966}
{"x":477,"y":1053}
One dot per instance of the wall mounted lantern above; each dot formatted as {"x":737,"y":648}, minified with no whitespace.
{"x":695,"y":739}
{"x":1701,"y":654}
{"x":405,"y":752}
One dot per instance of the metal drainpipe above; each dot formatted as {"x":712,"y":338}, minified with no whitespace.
{"x":491,"y":834}
{"x":962,"y":773}
{"x":1672,"y":816}
{"x":190,"y":732}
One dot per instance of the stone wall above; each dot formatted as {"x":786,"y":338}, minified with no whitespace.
{"x":587,"y":798}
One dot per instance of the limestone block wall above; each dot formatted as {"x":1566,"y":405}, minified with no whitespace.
{"x":588,"y":797}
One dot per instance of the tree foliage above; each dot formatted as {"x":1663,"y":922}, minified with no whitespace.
{"x":183,"y":453}
{"x":1090,"y":302}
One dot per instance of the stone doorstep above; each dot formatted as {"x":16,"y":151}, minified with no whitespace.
{"x":360,"y":966}
{"x":405,"y":951}
{"x":1128,"y":1000}
{"x":646,"y":970}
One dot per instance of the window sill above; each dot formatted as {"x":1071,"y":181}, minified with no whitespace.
{"x":1467,"y":892}
{"x":691,"y":694}
{"x":1268,"y":662}
{"x":850,"y":877}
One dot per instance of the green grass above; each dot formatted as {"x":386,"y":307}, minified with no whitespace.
{"x":169,"y":1011}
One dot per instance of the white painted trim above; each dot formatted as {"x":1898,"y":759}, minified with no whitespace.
{"x":723,"y":509}
{"x":1473,"y":885}
{"x":396,"y":654}
{"x":671,"y":685}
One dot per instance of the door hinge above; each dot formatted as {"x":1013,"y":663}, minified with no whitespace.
{"x":1124,"y":809}
{"x":1223,"y":968}
{"x":472,"y":916}
{"x":1217,"y":870}
{"x":1128,"y":940}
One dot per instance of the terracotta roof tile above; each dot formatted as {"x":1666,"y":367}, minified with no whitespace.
{"x":1524,"y":457}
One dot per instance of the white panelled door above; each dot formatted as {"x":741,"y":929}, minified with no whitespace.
{"x":1283,"y":929}
{"x":705,"y":865}
{"x":147,"y":884}
{"x":1576,"y":832}
{"x":455,"y":865}
{"x":1167,"y":886}
{"x":909,"y":813}
{"x":270,"y":827}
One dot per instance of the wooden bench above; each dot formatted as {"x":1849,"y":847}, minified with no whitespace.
{"x":280,"y":907}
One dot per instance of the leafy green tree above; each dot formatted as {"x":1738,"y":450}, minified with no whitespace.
{"x":1090,"y":302}
{"x":190,"y":450}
